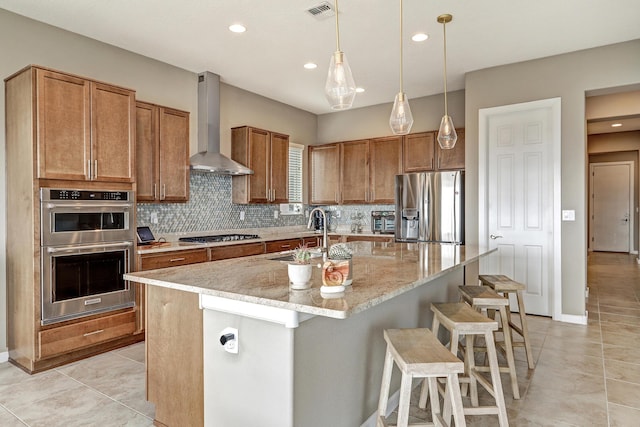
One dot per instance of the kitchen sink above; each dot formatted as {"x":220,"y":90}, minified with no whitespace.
{"x":289,"y":256}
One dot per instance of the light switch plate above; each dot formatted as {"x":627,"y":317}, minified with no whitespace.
{"x":568,"y":215}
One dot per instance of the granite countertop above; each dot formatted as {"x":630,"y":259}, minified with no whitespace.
{"x":381,"y":271}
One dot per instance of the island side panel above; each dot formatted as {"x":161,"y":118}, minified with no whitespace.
{"x":255,"y":386}
{"x":174,"y":357}
{"x":338,"y":363}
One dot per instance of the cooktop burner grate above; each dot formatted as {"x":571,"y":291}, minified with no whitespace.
{"x":219,"y":238}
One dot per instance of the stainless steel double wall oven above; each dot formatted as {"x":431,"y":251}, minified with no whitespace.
{"x":87,"y":244}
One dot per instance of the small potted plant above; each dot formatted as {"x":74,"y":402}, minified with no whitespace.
{"x":300,"y":268}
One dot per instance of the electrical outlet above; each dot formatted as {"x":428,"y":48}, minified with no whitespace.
{"x":154,"y":217}
{"x":276,"y":214}
{"x":241,"y":215}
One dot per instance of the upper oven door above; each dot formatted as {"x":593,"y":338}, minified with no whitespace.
{"x":78,"y":222}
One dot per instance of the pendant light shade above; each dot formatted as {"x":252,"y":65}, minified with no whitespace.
{"x":340,"y":88}
{"x":401,"y":118}
{"x":447,"y":135}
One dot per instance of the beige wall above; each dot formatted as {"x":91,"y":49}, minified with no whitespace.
{"x":373,"y":121}
{"x":24,"y":42}
{"x":566,"y":76}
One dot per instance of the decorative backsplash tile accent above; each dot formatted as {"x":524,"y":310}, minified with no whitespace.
{"x":210,"y":208}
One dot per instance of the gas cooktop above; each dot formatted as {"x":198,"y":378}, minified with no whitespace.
{"x":219,"y":238}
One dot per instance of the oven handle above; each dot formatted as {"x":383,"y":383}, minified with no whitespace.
{"x":88,"y":205}
{"x":85,"y":247}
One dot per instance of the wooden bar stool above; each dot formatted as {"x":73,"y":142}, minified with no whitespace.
{"x":460,"y":319}
{"x":485,"y":298}
{"x":419,"y":354}
{"x":504,"y":285}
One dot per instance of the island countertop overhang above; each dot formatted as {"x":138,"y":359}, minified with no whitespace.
{"x":381,"y":271}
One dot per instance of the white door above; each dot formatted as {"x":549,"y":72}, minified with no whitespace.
{"x":611,"y":201}
{"x":520,"y":143}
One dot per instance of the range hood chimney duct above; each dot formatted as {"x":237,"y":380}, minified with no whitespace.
{"x":208,"y":158}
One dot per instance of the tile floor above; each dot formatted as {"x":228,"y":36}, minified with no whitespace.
{"x":585,"y":375}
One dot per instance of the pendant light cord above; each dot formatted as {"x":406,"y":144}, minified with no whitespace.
{"x":401,"y":52}
{"x":444,"y":30}
{"x":335,"y":4}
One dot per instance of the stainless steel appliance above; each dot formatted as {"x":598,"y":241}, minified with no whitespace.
{"x":219,"y":238}
{"x":430,"y":207}
{"x":87,"y":242}
{"x":383,"y":222}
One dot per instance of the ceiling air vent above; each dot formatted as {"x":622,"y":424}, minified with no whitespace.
{"x":321,"y":11}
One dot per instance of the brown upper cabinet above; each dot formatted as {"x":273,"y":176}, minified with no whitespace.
{"x":85,"y":129}
{"x":355,"y":172}
{"x":162,"y":152}
{"x":422,"y":153}
{"x":267,"y":154}
{"x":324,"y":174}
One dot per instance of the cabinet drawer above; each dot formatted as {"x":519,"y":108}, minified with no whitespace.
{"x":172,"y":259}
{"x":71,"y":337}
{"x":236,"y":251}
{"x":384,"y":239}
{"x":311,"y":242}
{"x":281,"y":245}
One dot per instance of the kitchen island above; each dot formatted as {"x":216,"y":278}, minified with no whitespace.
{"x":303,"y":360}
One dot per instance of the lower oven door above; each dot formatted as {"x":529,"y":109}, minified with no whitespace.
{"x":80,"y":280}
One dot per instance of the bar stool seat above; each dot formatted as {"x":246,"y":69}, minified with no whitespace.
{"x":461,"y":319}
{"x":484,"y":298}
{"x":504,"y":285}
{"x":419,"y":354}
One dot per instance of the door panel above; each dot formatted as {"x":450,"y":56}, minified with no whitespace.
{"x":520,"y":202}
{"x":612,"y":189}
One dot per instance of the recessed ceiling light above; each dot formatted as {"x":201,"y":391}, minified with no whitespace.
{"x":616,"y":125}
{"x":310,"y":66}
{"x":359,"y":89}
{"x":237,"y":28}
{"x":420,"y":37}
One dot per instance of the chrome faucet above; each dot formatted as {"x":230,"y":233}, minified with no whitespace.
{"x":325,"y":239}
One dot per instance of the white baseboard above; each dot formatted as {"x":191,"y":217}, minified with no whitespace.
{"x":4,"y":356}
{"x":571,"y":318}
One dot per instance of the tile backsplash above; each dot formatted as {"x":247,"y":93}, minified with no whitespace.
{"x":210,"y":208}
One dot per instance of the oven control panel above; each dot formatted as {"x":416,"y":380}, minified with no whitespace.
{"x":55,"y":194}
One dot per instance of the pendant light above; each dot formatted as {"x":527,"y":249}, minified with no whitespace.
{"x":401,"y":118}
{"x":447,"y":135}
{"x":340,"y":88}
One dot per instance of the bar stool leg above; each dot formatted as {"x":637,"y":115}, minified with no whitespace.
{"x":456,"y":401}
{"x":525,"y":329}
{"x":508,"y":349}
{"x":386,"y":385}
{"x":495,"y":380}
{"x":470,"y":364}
{"x":405,"y":396}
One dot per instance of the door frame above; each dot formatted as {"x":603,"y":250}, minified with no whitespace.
{"x":632,"y":249}
{"x":484,"y":114}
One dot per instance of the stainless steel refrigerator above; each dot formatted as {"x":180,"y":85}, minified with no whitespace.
{"x":430,"y":207}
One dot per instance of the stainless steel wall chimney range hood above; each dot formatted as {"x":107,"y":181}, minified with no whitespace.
{"x":208,"y":158}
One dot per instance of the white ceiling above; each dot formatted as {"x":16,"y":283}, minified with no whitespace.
{"x":281,"y":36}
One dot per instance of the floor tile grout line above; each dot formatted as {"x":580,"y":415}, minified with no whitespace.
{"x":104,"y":394}
{"x":14,"y":415}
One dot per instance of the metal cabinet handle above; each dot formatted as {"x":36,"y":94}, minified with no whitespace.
{"x":155,"y":190}
{"x":177,"y":259}
{"x":494,"y":237}
{"x":163,"y":193}
{"x":94,"y":332}
{"x":95,"y":169}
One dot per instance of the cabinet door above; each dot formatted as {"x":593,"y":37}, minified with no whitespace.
{"x":418,"y":152}
{"x":146,"y":152}
{"x":174,"y":155}
{"x":386,"y":163}
{"x":324,"y":174}
{"x":454,"y":158}
{"x":63,"y":119}
{"x":355,"y":171}
{"x":258,"y":150}
{"x":279,"y":178}
{"x":112,"y":133}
